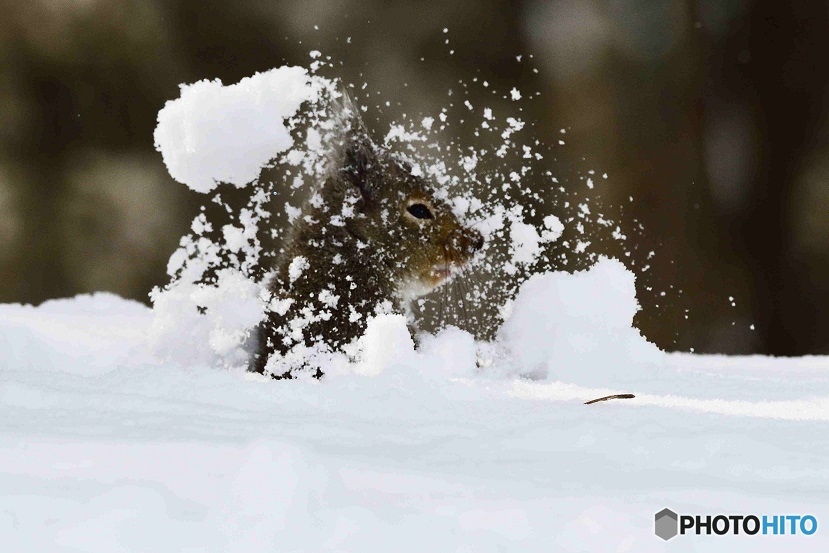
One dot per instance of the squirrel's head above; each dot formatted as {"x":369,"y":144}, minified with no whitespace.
{"x":397,"y":215}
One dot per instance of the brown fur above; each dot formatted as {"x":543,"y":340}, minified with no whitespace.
{"x":363,"y":245}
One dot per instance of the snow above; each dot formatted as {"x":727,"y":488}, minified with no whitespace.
{"x":107,"y":445}
{"x":203,"y":323}
{"x":214,"y":133}
{"x":561,"y":323}
{"x":296,"y":268}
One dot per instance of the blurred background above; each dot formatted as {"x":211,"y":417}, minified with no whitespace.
{"x":710,"y":114}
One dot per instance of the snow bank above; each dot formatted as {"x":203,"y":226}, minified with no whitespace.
{"x":105,"y":446}
{"x":561,"y":324}
{"x":198,"y":323}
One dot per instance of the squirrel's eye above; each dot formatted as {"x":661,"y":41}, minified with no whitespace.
{"x":421,"y":211}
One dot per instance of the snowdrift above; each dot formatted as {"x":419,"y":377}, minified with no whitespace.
{"x":106,"y":447}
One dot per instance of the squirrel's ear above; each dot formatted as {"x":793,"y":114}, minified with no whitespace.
{"x":359,"y":159}
{"x":359,"y":163}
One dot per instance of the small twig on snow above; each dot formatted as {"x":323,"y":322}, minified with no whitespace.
{"x":617,"y":396}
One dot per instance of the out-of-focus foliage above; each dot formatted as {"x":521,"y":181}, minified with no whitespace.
{"x":709,"y":114}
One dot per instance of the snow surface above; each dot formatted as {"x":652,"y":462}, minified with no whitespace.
{"x":105,"y":445}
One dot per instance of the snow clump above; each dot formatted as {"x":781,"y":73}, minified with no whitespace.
{"x":214,"y":133}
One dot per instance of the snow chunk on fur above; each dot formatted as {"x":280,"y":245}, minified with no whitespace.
{"x":214,"y":133}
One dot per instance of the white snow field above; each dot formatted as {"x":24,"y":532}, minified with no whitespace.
{"x":106,"y":447}
{"x":126,"y":428}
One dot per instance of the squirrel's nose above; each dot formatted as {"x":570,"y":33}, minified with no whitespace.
{"x":476,"y":242}
{"x":467,"y":241}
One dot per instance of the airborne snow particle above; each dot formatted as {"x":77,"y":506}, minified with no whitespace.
{"x":297,"y":266}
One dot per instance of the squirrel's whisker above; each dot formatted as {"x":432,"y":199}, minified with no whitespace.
{"x":442,"y":313}
{"x":466,"y":299}
{"x":456,"y":303}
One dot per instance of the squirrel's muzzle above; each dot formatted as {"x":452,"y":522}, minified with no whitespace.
{"x":465,"y":241}
{"x":477,"y":241}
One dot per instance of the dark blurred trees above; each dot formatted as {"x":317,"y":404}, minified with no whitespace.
{"x":82,"y":83}
{"x":787,"y":76}
{"x":710,"y":114}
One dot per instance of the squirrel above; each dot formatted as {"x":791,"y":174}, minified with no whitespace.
{"x":372,"y":237}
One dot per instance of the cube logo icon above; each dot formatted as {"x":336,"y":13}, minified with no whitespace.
{"x":665,"y":524}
